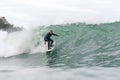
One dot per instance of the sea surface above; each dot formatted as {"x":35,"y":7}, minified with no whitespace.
{"x":82,"y":52}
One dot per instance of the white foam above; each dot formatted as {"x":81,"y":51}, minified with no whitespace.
{"x":17,"y":42}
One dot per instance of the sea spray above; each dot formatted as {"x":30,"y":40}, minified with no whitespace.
{"x":17,"y":42}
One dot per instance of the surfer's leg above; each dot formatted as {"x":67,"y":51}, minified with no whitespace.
{"x":48,"y":44}
{"x":47,"y":40}
{"x":51,"y":42}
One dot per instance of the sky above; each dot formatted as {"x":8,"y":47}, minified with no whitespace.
{"x":27,"y":13}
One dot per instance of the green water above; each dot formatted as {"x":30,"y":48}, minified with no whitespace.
{"x":87,"y":45}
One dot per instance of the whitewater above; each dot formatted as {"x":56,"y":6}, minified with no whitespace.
{"x":83,"y":51}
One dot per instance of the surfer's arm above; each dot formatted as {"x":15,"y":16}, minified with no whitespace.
{"x":55,"y":34}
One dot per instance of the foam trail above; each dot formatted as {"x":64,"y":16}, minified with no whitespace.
{"x":41,"y":48}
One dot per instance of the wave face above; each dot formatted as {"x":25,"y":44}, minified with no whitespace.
{"x":79,"y":45}
{"x":87,"y":45}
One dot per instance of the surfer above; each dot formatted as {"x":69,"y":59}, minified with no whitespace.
{"x":48,"y":39}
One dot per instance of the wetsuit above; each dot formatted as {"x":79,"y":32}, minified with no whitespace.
{"x":48,"y":39}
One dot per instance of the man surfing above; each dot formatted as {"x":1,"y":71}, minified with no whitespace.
{"x":48,"y":39}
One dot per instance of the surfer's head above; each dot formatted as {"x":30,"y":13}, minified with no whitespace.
{"x":51,"y":31}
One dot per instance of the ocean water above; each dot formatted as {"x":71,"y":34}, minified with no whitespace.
{"x":82,"y":52}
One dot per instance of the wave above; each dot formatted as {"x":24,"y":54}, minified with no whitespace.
{"x":79,"y":44}
{"x":83,"y":44}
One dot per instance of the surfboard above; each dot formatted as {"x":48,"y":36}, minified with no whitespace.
{"x":52,"y":48}
{"x":49,"y":50}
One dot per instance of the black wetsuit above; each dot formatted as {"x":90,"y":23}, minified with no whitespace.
{"x":48,"y":39}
